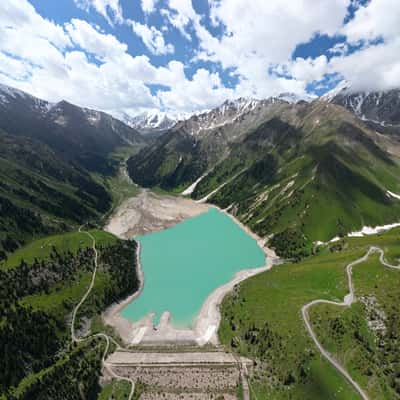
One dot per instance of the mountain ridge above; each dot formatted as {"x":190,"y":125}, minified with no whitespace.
{"x":75,"y":133}
{"x":281,"y":165}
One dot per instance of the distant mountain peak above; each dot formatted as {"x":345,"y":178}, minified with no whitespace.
{"x":341,"y":88}
{"x":294,"y":98}
{"x":377,"y":107}
{"x":150,"y":121}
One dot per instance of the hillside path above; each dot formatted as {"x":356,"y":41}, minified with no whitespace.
{"x":348,"y":300}
{"x":103,"y":335}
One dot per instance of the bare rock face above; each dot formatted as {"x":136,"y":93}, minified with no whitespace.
{"x":73,"y":132}
{"x":380,"y":107}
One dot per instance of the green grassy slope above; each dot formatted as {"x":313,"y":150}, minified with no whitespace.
{"x":370,"y":355}
{"x":307,"y":184}
{"x":39,"y":288}
{"x":262,"y":319}
{"x":67,"y":242}
{"x":306,"y":173}
{"x":40,"y":193}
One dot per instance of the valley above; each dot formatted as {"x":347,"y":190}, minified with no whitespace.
{"x":199,"y":200}
{"x":208,"y":261}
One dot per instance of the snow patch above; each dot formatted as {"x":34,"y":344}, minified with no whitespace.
{"x":190,"y":189}
{"x":391,"y":194}
{"x":368,"y":230}
{"x":341,"y":87}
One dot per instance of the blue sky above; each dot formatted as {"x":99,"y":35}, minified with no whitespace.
{"x":181,"y":56}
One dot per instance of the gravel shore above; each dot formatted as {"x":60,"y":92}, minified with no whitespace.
{"x":149,"y":212}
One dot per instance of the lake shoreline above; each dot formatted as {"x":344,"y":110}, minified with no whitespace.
{"x":205,"y":324}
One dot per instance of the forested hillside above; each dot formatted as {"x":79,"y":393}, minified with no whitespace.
{"x":262,"y":319}
{"x":37,"y":298}
{"x":40,"y":193}
{"x":297,"y":173}
{"x":58,"y":166}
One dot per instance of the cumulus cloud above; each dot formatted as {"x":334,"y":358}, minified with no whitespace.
{"x":379,"y":19}
{"x":203,"y":91}
{"x":180,"y":14}
{"x":103,"y":46}
{"x":374,"y":64}
{"x":152,"y":38}
{"x":255,"y":43}
{"x":148,"y":6}
{"x":376,"y":67}
{"x":109,"y":9}
{"x":258,"y":35}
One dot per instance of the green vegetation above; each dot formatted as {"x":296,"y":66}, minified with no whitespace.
{"x":119,"y":390}
{"x":38,"y":295}
{"x":69,"y":242}
{"x":41,"y":194}
{"x":119,"y":184}
{"x":170,"y":167}
{"x":262,"y":319}
{"x":55,"y":177}
{"x":74,"y":375}
{"x":370,"y":354}
{"x":302,"y":173}
{"x":324,"y":192}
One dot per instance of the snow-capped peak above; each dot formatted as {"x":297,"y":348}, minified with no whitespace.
{"x":8,"y":95}
{"x":294,"y":98}
{"x":341,"y":87}
{"x":148,"y":121}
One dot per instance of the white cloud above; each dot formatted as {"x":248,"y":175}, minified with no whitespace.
{"x":203,"y":91}
{"x":180,"y":15}
{"x":270,"y":30}
{"x":377,"y":19}
{"x":104,"y":46}
{"x":78,"y":62}
{"x":339,"y":48}
{"x":22,"y":16}
{"x":38,"y":56}
{"x":148,"y":6}
{"x":373,"y":68}
{"x":308,"y":70}
{"x":152,"y":38}
{"x":109,"y":9}
{"x":258,"y":35}
{"x":14,"y":68}
{"x":117,"y":81}
{"x":376,"y":65}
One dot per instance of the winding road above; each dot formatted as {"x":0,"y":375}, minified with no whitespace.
{"x":348,"y":300}
{"x":103,"y":335}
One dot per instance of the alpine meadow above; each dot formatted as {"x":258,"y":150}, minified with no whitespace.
{"x":200,"y":199}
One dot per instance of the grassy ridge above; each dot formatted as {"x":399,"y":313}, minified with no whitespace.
{"x":73,"y":375}
{"x":289,"y":197}
{"x":262,"y":319}
{"x":370,"y":355}
{"x":45,"y":281}
{"x":42,"y":248}
{"x":41,"y":193}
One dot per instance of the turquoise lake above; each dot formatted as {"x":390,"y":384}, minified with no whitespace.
{"x":182,"y":265}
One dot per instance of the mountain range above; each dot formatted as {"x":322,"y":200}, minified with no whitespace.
{"x":150,"y":123}
{"x":50,"y":155}
{"x":297,"y":172}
